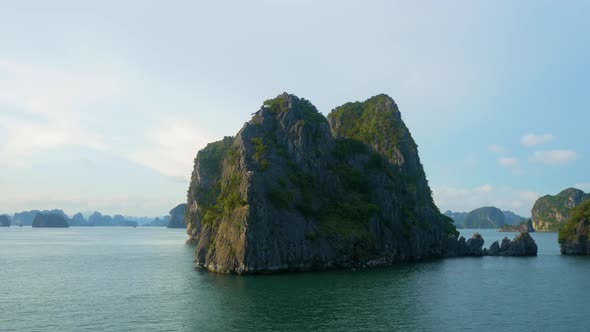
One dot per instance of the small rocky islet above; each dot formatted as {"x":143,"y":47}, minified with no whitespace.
{"x":5,"y":220}
{"x":297,"y":191}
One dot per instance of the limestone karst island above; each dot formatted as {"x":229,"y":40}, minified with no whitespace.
{"x":294,"y":190}
{"x":294,"y":166}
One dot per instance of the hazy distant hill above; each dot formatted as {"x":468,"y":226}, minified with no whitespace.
{"x":97,"y":219}
{"x":457,"y":217}
{"x":177,"y":217}
{"x":4,"y":220}
{"x":513,"y":218}
{"x":50,"y":220}
{"x":26,"y":218}
{"x":158,"y":222}
{"x":485,"y":217}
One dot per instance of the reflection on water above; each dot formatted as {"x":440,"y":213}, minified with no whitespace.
{"x":143,"y":280}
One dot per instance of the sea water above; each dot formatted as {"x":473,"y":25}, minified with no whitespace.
{"x":143,"y":279}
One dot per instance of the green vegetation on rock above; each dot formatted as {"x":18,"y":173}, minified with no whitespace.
{"x":574,"y":235}
{"x":551,"y":212}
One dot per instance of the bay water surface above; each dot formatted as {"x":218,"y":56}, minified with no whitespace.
{"x":143,"y":279}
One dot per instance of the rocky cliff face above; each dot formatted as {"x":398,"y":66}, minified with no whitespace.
{"x":50,"y":220}
{"x":573,"y":237}
{"x":4,"y":221}
{"x":296,"y":191}
{"x":551,"y":212}
{"x":177,"y":217}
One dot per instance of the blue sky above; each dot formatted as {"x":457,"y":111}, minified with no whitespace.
{"x":104,"y":104}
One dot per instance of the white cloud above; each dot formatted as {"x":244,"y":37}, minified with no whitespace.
{"x":508,"y":162}
{"x":42,"y":107}
{"x":467,"y":199}
{"x":486,"y":188}
{"x":511,"y":163}
{"x":554,"y":157}
{"x":531,"y":140}
{"x":172,"y":148}
{"x":495,"y":148}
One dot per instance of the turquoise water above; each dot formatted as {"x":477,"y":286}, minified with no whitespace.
{"x":142,"y":279}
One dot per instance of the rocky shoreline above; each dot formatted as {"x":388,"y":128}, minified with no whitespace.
{"x":522,"y":245}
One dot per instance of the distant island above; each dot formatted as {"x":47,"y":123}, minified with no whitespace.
{"x":49,"y":220}
{"x":525,"y":226}
{"x":574,"y":236}
{"x":26,"y":218}
{"x":551,"y":212}
{"x":5,"y":220}
{"x":488,"y":217}
{"x":177,"y":217}
{"x":97,"y":219}
{"x":294,"y":190}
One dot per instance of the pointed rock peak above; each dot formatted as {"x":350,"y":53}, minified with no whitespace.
{"x":289,"y":110}
{"x":382,"y":97}
{"x":285,"y":102}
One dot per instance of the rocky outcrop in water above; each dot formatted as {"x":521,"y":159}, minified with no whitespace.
{"x":461,"y":247}
{"x":296,"y":191}
{"x":4,"y":220}
{"x":551,"y":212}
{"x":50,"y":220}
{"x":177,"y":217}
{"x":573,"y":237}
{"x":522,"y":245}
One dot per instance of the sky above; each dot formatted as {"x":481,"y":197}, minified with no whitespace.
{"x":104,"y":104}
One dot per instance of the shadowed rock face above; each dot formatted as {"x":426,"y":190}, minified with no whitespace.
{"x":177,"y":217}
{"x":296,"y":191}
